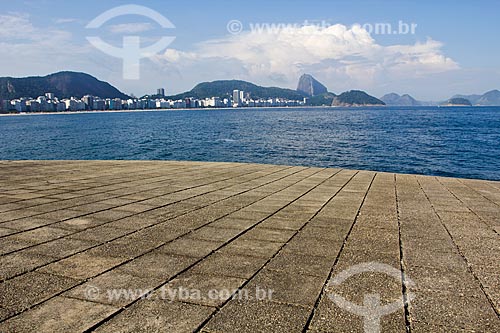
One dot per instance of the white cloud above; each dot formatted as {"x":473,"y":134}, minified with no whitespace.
{"x":17,"y":29}
{"x":15,"y":26}
{"x":26,"y":49}
{"x":341,"y":56}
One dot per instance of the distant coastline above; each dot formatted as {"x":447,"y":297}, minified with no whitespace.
{"x":354,"y":107}
{"x":68,"y":92}
{"x":175,"y":110}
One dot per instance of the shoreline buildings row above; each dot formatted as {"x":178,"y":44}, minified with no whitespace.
{"x":50,"y":103}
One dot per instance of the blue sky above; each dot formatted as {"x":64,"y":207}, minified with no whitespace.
{"x":454,"y":48}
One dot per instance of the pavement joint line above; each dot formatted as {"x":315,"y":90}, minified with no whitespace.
{"x":465,"y":205}
{"x":130,"y":259}
{"x":62,"y":200}
{"x":213,"y":251}
{"x":460,"y":185}
{"x":478,"y":192}
{"x":104,"y":210}
{"x":132,"y":232}
{"x":469,"y":269}
{"x":254,"y":226}
{"x":404,"y":290}
{"x":489,"y":183}
{"x":120,"y":181}
{"x":134,"y":214}
{"x":161,"y":181}
{"x":86,"y":280}
{"x":182,"y":172}
{"x":70,"y":191}
{"x":330,"y":274}
{"x":469,"y":208}
{"x":204,"y":323}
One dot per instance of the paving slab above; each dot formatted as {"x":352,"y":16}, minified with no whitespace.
{"x":290,"y":288}
{"x":190,"y":247}
{"x":331,"y":318}
{"x":81,"y":266}
{"x":230,"y":265}
{"x":209,"y":290}
{"x":157,"y":265}
{"x":295,"y":263}
{"x":25,"y":291}
{"x":454,"y":310}
{"x":108,"y":288}
{"x":59,"y":315}
{"x":256,"y":247}
{"x":21,"y":262}
{"x":253,"y":316}
{"x":61,"y":248}
{"x":252,"y":247}
{"x":158,"y":316}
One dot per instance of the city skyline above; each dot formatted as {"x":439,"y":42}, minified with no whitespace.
{"x":449,"y":52}
{"x":49,"y":102}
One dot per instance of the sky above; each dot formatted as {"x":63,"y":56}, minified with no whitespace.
{"x":453,"y":48}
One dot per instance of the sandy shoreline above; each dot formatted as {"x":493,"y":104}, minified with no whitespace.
{"x":93,"y":112}
{"x":184,"y":109}
{"x":126,"y":111}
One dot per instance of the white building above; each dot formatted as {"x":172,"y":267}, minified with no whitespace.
{"x":162,"y":104}
{"x":213,"y":102}
{"x":180,"y":104}
{"x":20,"y":105}
{"x":60,"y":106}
{"x":33,"y":106}
{"x":236,"y":98}
{"x":117,"y":104}
{"x":74,"y":104}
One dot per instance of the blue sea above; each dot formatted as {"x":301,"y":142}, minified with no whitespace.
{"x":457,"y":142}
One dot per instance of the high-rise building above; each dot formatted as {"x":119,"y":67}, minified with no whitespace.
{"x":89,"y":102}
{"x":98,"y":104}
{"x":20,"y":105}
{"x":161,"y":92}
{"x":236,"y":98}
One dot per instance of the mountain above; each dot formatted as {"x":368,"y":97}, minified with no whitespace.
{"x":319,"y":95}
{"x":310,"y":86}
{"x":472,"y":98}
{"x":355,"y":98}
{"x":224,"y":89}
{"x":62,"y":84}
{"x":325,"y":99}
{"x":397,"y":100}
{"x":457,"y":101}
{"x":489,"y":98}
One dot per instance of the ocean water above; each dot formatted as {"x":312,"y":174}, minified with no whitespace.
{"x":457,"y":142}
